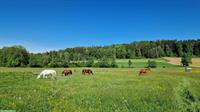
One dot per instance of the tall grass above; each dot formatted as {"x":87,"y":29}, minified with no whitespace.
{"x":118,"y":90}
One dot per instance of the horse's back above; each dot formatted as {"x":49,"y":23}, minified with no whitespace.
{"x":48,"y":72}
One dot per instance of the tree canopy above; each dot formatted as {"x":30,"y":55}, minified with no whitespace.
{"x":104,"y":56}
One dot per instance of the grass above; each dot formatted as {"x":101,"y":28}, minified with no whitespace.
{"x":118,"y":90}
{"x":140,"y":63}
{"x":177,"y":61}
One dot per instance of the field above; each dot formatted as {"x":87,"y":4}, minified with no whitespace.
{"x":139,"y":63}
{"x":177,"y":61}
{"x":118,"y":89}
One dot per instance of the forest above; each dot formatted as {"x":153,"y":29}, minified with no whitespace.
{"x":98,"y":56}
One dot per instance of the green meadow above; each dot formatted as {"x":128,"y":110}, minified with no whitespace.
{"x":139,"y":63}
{"x":108,"y":90}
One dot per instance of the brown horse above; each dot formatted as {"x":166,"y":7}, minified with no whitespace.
{"x":87,"y":71}
{"x":66,"y":72}
{"x":144,"y":71}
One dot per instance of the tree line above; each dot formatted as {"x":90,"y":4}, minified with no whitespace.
{"x":98,"y":56}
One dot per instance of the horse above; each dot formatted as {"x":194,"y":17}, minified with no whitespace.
{"x":88,"y":71}
{"x":66,"y":72}
{"x":46,"y":73}
{"x":144,"y":71}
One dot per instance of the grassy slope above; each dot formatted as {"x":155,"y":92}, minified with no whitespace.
{"x":122,"y":90}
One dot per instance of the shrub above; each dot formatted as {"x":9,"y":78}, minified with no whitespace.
{"x":103,"y":63}
{"x":113,"y":64}
{"x":186,"y":60}
{"x":152,"y":64}
{"x":89,"y":63}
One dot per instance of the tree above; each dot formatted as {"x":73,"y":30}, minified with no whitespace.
{"x":121,"y":52}
{"x":138,"y":53}
{"x":14,"y":56}
{"x":188,"y":48}
{"x":196,"y":48}
{"x":129,"y":63}
{"x":104,"y":63}
{"x":152,"y":64}
{"x":90,"y":63}
{"x":161,"y":52}
{"x":130,"y":54}
{"x":17,"y":56}
{"x":179,"y":49}
{"x":168,"y":51}
{"x":186,"y":59}
{"x":113,"y":63}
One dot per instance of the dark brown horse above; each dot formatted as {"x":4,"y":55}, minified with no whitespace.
{"x":87,"y":71}
{"x":66,"y":72}
{"x":144,"y":71}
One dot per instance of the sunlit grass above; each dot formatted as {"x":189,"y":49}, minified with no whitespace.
{"x":116,"y":89}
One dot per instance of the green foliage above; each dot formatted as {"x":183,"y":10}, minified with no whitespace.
{"x":168,"y":51}
{"x":186,"y":59}
{"x":104,"y":63}
{"x":152,"y":64}
{"x":90,"y":63}
{"x":129,"y":63}
{"x":17,"y":56}
{"x":14,"y":56}
{"x":113,"y":64}
{"x":196,"y":47}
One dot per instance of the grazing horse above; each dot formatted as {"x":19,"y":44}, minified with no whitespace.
{"x":87,"y":71}
{"x":66,"y":72}
{"x":46,"y":73}
{"x":144,"y":71}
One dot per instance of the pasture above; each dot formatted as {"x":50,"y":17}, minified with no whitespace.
{"x":108,"y":90}
{"x":177,"y":61}
{"x":139,"y":63}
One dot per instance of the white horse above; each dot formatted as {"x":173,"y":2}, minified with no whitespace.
{"x":46,"y":73}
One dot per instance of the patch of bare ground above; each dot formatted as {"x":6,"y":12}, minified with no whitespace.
{"x":173,"y":60}
{"x":177,"y":61}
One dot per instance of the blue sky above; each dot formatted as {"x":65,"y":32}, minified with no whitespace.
{"x":41,"y":25}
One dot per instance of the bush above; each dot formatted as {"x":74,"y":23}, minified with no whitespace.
{"x":103,"y":63}
{"x":152,"y":64}
{"x":113,"y":64}
{"x":89,"y":63}
{"x":53,"y":64}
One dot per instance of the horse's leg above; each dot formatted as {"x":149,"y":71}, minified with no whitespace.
{"x":52,"y":76}
{"x":43,"y":76}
